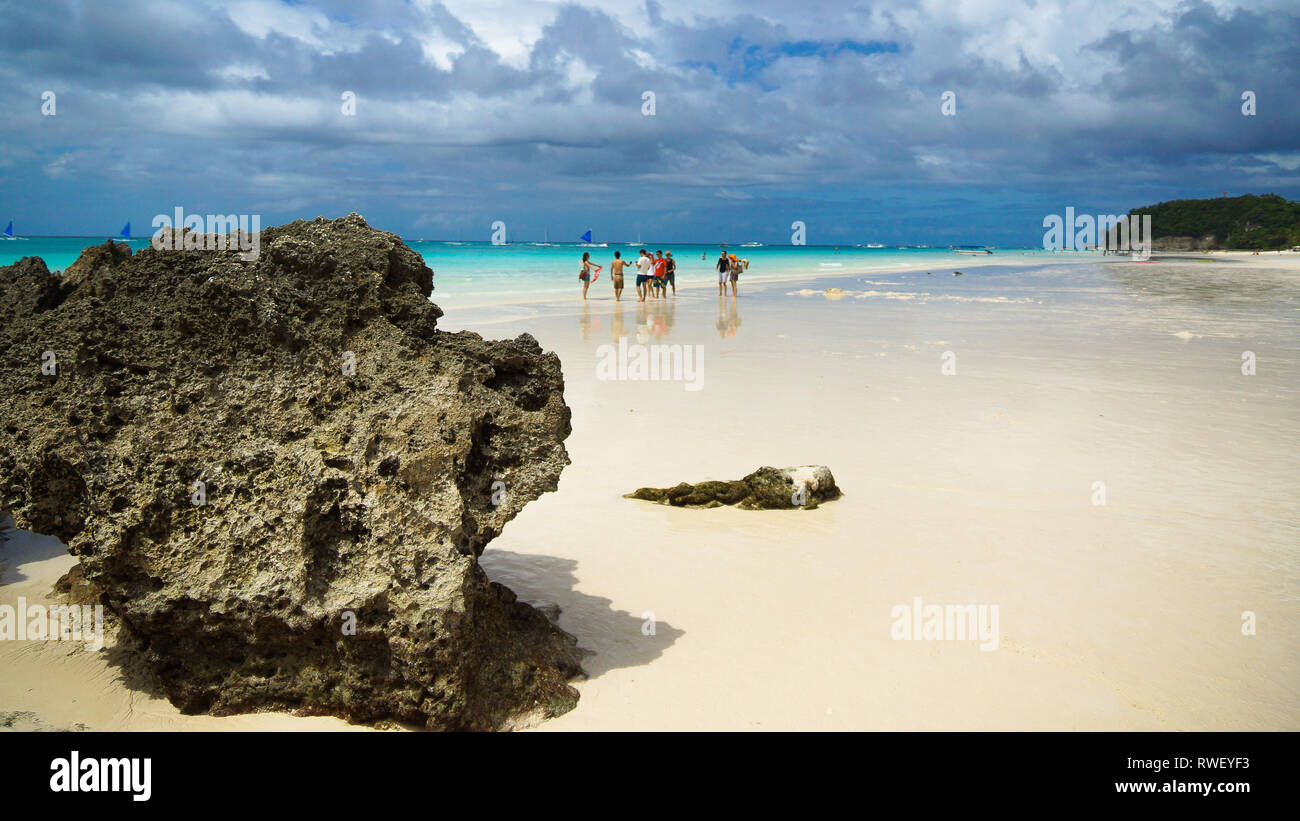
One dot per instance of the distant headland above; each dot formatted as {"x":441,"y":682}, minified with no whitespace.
{"x":1264,"y":221}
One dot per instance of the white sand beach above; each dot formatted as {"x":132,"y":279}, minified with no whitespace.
{"x":974,"y":487}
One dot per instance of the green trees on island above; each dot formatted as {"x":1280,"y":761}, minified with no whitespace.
{"x":1252,"y":221}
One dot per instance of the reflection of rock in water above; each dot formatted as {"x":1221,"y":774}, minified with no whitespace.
{"x":280,"y":474}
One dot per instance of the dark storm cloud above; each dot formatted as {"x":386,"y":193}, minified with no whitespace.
{"x":761,"y":111}
{"x":122,"y":45}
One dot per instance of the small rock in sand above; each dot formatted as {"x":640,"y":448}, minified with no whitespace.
{"x":765,"y":488}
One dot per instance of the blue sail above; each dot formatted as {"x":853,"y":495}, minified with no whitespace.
{"x":9,"y":229}
{"x":587,"y":236}
{"x":126,"y":231}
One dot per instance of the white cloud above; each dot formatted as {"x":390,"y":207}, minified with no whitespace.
{"x":259,"y":18}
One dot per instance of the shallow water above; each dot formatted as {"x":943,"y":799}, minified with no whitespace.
{"x":976,"y":487}
{"x":474,"y":273}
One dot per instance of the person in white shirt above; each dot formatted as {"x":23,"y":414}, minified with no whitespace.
{"x":643,"y":265}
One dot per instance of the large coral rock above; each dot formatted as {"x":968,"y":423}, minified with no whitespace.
{"x":281,"y":475}
{"x":765,"y":489}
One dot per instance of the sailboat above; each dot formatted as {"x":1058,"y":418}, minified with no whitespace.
{"x":125,"y":233}
{"x":638,"y":241}
{"x":9,"y":230}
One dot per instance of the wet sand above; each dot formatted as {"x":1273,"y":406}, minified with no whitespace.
{"x":975,"y":487}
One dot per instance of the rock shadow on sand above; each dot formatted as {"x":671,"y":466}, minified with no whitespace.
{"x":23,"y":547}
{"x":616,"y":638}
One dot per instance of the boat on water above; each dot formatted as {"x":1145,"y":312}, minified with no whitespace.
{"x":587,"y":243}
{"x":874,"y":245}
{"x":9,"y":231}
{"x":972,"y":249}
{"x":751,"y":245}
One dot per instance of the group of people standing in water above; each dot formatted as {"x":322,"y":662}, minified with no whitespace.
{"x":656,"y":273}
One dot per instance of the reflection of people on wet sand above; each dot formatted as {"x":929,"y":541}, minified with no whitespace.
{"x":587,"y":322}
{"x":657,"y":326}
{"x":661,"y":321}
{"x":642,"y":323}
{"x":616,"y":321}
{"x":729,"y":322}
{"x":656,"y":320}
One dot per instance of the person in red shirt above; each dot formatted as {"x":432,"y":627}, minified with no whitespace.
{"x":661,"y":271}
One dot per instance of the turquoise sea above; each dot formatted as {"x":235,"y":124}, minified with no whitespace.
{"x":472,"y":273}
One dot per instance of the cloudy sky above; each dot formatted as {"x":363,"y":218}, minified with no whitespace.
{"x":532,"y":113}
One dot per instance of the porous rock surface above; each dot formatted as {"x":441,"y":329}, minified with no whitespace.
{"x":354,"y":463}
{"x":766,"y":488}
